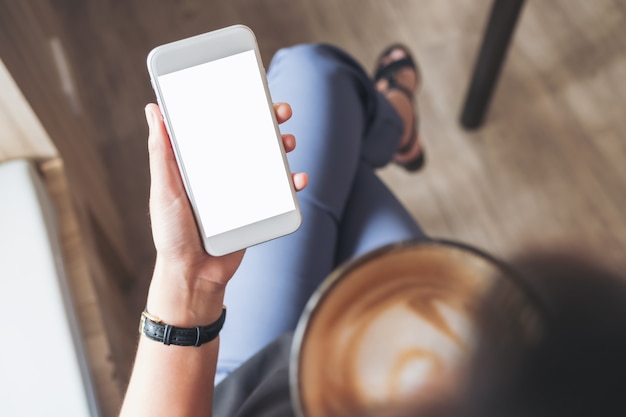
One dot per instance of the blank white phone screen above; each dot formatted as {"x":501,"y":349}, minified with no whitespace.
{"x":226,"y":138}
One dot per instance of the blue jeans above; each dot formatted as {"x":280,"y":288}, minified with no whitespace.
{"x":344,"y":130}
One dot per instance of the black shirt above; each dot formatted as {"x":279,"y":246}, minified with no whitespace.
{"x":260,"y":387}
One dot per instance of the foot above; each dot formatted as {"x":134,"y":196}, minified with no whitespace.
{"x":397,"y":77}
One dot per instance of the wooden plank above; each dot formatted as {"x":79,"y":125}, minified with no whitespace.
{"x":23,"y":136}
{"x":89,"y":306}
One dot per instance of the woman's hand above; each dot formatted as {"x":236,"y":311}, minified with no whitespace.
{"x":187,"y":290}
{"x":188,"y":283}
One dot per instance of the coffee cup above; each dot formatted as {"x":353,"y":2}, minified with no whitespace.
{"x":397,"y":324}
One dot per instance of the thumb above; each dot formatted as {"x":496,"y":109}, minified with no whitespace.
{"x":170,"y":213}
{"x":165,"y":177}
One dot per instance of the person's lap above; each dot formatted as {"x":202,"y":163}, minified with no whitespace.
{"x":344,"y":129}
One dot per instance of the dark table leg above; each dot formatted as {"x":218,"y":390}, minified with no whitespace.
{"x":504,"y":16}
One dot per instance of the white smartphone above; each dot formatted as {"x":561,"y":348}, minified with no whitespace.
{"x":215,"y":101}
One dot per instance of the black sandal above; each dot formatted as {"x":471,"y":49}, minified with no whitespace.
{"x":388,"y":73}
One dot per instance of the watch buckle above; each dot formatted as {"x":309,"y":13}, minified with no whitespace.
{"x":145,"y":315}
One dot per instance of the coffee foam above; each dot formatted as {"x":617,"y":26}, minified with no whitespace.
{"x":389,"y":327}
{"x":409,"y":358}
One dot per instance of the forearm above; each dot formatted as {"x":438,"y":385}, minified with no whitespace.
{"x":171,"y":380}
{"x":175,"y":380}
{"x":187,"y":290}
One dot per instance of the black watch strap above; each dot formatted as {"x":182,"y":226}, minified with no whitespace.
{"x":152,"y":327}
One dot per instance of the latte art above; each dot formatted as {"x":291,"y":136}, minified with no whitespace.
{"x":411,"y":357}
{"x":388,"y":328}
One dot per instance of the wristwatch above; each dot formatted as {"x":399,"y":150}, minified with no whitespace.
{"x":154,"y":328}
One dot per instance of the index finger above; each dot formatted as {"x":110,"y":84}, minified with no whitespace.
{"x":283,"y":112}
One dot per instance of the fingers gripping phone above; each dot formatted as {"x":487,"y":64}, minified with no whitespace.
{"x":213,"y":94}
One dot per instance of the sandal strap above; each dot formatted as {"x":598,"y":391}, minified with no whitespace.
{"x":388,"y":72}
{"x":414,"y":165}
{"x":393,"y":85}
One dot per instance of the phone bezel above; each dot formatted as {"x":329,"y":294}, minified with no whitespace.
{"x":198,"y":50}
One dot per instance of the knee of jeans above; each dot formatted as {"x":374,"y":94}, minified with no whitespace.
{"x":303,"y":52}
{"x":306,"y":56}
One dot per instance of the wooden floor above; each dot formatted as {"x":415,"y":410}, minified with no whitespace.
{"x":547,"y":170}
